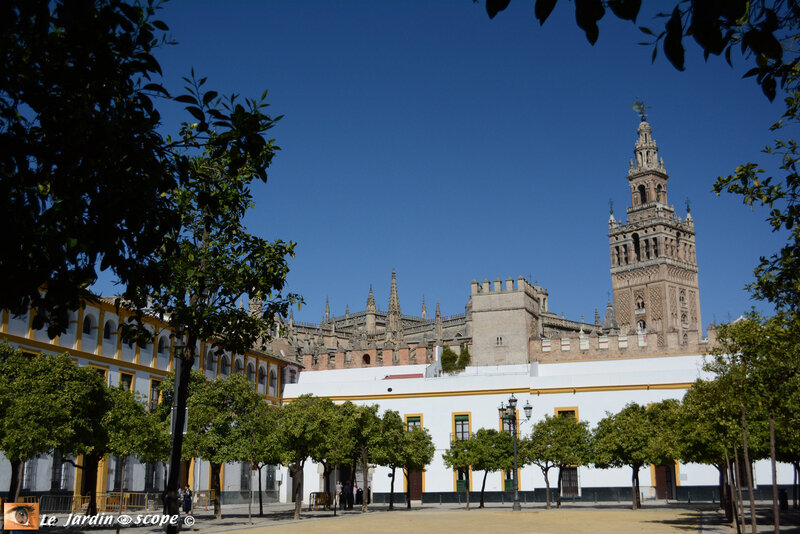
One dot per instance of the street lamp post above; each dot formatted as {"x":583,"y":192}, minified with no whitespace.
{"x":509,"y":413}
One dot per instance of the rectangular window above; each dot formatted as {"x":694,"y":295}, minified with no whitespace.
{"x":154,"y":395}
{"x":29,"y":474}
{"x":102,"y":371}
{"x":126,"y":381}
{"x":413,"y":421}
{"x":462,"y":427}
{"x":567,"y":411}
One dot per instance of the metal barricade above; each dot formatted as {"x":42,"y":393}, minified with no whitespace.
{"x":205,"y":499}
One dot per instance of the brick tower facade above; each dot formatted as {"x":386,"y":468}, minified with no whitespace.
{"x":653,"y":257}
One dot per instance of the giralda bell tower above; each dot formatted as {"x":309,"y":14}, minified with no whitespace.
{"x":653,"y":257}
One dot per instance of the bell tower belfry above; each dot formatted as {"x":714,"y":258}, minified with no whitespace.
{"x":653,"y":258}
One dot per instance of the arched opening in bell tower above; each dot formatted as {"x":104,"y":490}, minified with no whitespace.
{"x":636,"y":255}
{"x":642,"y":194}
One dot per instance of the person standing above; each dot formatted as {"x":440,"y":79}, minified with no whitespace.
{"x":338,"y":497}
{"x":187,"y":500}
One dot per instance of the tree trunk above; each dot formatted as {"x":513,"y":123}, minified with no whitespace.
{"x":16,"y":480}
{"x":724,"y":494}
{"x":90,"y":463}
{"x":546,"y":487}
{"x":794,"y":486}
{"x":739,"y":486}
{"x":467,"y":487}
{"x":183,"y":362}
{"x":732,"y":503}
{"x":558,"y":489}
{"x":635,"y":487}
{"x":483,"y":487}
{"x":260,"y":500}
{"x":776,"y":522}
{"x":297,"y":474}
{"x":365,"y":480}
{"x":753,"y":519}
{"x":216,"y":487}
{"x":391,"y":490}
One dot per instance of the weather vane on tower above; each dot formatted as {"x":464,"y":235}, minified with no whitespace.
{"x":640,"y":108}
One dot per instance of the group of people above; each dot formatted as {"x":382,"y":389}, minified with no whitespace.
{"x":347,"y":495}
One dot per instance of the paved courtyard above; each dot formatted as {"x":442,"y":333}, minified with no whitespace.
{"x":495,"y":519}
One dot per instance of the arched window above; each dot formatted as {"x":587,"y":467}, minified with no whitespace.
{"x":162,"y":344}
{"x":685,"y":339}
{"x":636,"y":256}
{"x":87,"y":325}
{"x":262,"y":377}
{"x":642,"y":194}
{"x":251,"y":372}
{"x":641,"y":327}
{"x":684,"y":321}
{"x":211,"y":361}
{"x":365,"y":359}
{"x":639,"y":303}
{"x":273,"y":383}
{"x":107,"y":330}
{"x":682,"y":297}
{"x":659,"y":193}
{"x":238,"y":367}
{"x":225,"y":366}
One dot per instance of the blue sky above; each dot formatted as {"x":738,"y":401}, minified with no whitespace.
{"x":425,"y":137}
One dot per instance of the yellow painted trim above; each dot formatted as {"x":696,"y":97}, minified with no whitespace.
{"x":133,"y":380}
{"x":101,"y":327}
{"x":677,"y":473}
{"x":79,"y":329}
{"x":222,"y":477}
{"x":136,"y":353}
{"x":190,"y":467}
{"x":537,"y":391}
{"x":653,"y":475}
{"x":156,"y":339}
{"x":102,"y":479}
{"x":4,"y":324}
{"x":31,"y":313}
{"x":76,"y":482}
{"x":39,"y":345}
{"x":557,"y":411}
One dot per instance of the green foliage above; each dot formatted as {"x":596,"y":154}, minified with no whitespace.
{"x":84,"y":167}
{"x":449,"y":360}
{"x":452,"y":362}
{"x":48,"y":402}
{"x":131,"y":430}
{"x":417,"y":450}
{"x":624,"y":439}
{"x":215,"y":410}
{"x":493,"y":451}
{"x":464,"y":358}
{"x":558,"y":441}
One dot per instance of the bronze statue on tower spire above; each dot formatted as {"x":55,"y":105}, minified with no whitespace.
{"x":640,"y":108}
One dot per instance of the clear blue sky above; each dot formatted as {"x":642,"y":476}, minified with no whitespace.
{"x":424,"y":137}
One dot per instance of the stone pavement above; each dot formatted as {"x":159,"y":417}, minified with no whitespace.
{"x":429,"y":519}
